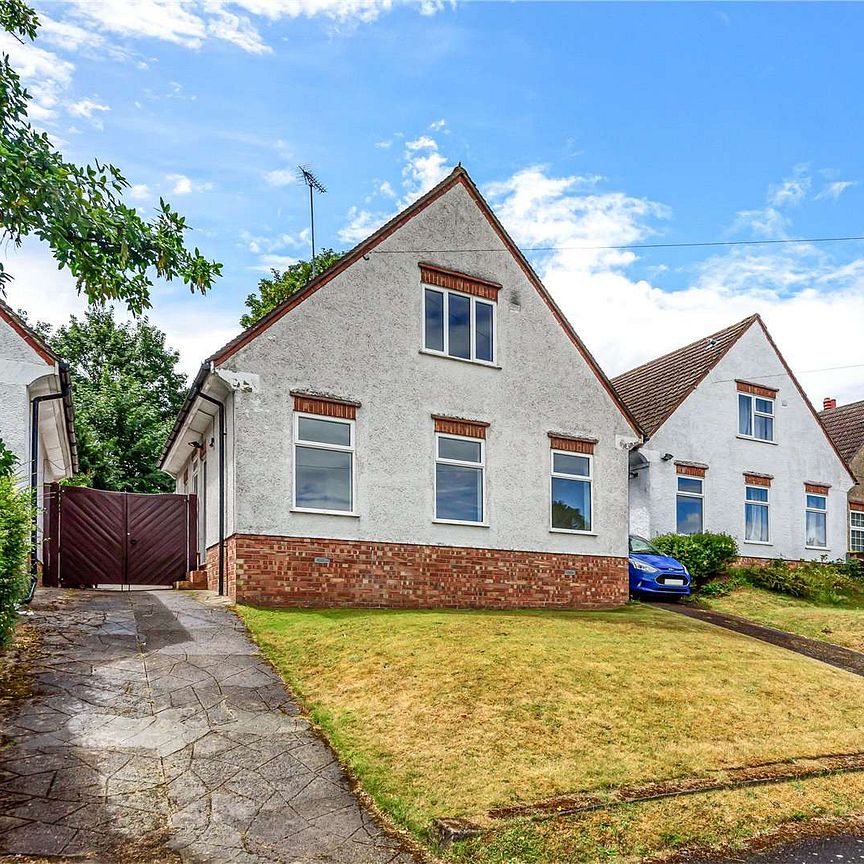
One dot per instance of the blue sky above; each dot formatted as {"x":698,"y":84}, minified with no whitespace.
{"x":585,"y":125}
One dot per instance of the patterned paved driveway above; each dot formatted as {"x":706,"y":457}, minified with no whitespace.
{"x":155,"y":725}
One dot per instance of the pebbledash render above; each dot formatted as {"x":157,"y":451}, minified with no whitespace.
{"x":734,"y":445}
{"x":418,"y":427}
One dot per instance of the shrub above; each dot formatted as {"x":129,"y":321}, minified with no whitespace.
{"x":14,"y":551}
{"x":820,"y":581}
{"x":705,"y":556}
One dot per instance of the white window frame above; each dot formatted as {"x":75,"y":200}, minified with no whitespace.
{"x":484,"y":522}
{"x":446,"y":313}
{"x":809,"y":509}
{"x":766,"y":504}
{"x":754,"y":414}
{"x":856,"y":529}
{"x":699,"y":495}
{"x":352,"y":449}
{"x":589,"y":479}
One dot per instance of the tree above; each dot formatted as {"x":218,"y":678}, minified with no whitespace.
{"x":78,"y":211}
{"x":281,"y":284}
{"x":127,"y":392}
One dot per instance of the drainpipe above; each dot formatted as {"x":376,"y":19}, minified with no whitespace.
{"x":35,"y":402}
{"x":223,"y":437}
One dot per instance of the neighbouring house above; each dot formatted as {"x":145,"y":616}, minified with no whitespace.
{"x":36,"y":415}
{"x":419,"y":426}
{"x":734,"y":445}
{"x":845,"y":425}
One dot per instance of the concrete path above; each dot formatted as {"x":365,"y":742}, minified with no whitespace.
{"x":833,"y":655}
{"x":157,"y":733}
{"x":839,"y":849}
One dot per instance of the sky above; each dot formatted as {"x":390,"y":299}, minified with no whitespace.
{"x":585,"y":125}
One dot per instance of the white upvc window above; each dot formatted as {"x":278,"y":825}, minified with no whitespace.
{"x":689,"y":505}
{"x":460,"y":466}
{"x":572,"y":492}
{"x":755,"y":417}
{"x":323,"y":465}
{"x":756,"y":515}
{"x":816,"y":521}
{"x":459,"y":325}
{"x":856,"y":530}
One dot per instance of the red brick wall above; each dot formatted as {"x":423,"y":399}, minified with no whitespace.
{"x":281,"y":571}
{"x":753,"y":561}
{"x":213,"y":567}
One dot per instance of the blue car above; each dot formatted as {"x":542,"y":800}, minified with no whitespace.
{"x":653,"y":574}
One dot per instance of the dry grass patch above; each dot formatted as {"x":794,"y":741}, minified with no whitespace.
{"x":454,"y":713}
{"x":657,"y":829}
{"x":841,"y":625}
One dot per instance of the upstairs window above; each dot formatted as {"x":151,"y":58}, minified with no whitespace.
{"x":816,"y":521}
{"x":856,"y":530}
{"x":689,"y":503}
{"x":458,"y":325}
{"x":323,"y":464}
{"x":755,"y":417}
{"x":756,"y":514}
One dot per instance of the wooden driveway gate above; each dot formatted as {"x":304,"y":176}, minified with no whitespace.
{"x":117,"y":538}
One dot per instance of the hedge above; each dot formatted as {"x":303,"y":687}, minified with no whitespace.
{"x":15,"y":513}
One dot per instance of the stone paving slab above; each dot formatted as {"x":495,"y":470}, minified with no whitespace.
{"x":154,"y":716}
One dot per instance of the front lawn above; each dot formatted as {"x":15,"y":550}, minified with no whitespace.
{"x":840,"y":624}
{"x":449,"y":714}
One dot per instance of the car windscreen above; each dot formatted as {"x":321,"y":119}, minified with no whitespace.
{"x":640,"y":546}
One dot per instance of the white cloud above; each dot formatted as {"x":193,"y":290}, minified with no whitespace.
{"x":812,"y":305}
{"x":45,"y":75}
{"x":791,"y":191}
{"x":139,"y":192}
{"x":835,"y":190}
{"x":192,"y":22}
{"x":184,"y":185}
{"x":266,"y":263}
{"x":67,"y":36}
{"x":281,"y":176}
{"x":424,"y":166}
{"x":86,"y":108}
{"x":437,"y":125}
{"x":386,"y":144}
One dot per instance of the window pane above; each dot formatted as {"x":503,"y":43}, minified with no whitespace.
{"x":857,"y":518}
{"x":571,"y":504}
{"x":757,"y":493}
{"x":756,"y":522}
{"x":817,"y":531}
{"x":564,"y":463}
{"x":459,"y":324}
{"x":857,"y":540}
{"x":689,"y":515}
{"x":690,"y":484}
{"x":459,"y":449}
{"x":745,"y":425}
{"x":324,"y":431}
{"x":323,"y":479}
{"x":458,"y":493}
{"x":817,"y":502}
{"x":764,"y":428}
{"x":483,"y":331}
{"x":434,"y":320}
{"x":765,"y":406}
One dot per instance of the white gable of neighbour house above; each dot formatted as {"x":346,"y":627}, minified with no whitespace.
{"x":29,"y":369}
{"x":397,"y":432}
{"x":733,"y":445}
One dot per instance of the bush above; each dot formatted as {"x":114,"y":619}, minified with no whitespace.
{"x":705,"y":556}
{"x":14,"y":551}
{"x":820,"y":581}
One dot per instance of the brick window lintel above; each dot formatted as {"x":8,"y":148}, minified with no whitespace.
{"x":431,"y":274}
{"x":460,"y":426}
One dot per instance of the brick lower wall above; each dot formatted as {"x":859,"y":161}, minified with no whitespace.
{"x":213,"y":567}
{"x":281,"y":571}
{"x":753,"y":561}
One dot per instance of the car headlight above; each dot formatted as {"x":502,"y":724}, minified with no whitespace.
{"x":685,"y":570}
{"x":641,"y":565}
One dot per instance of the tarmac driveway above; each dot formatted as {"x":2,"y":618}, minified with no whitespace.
{"x":157,"y":733}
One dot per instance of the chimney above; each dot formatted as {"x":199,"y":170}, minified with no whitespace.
{"x":828,"y":403}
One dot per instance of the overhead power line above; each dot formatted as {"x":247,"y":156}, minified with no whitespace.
{"x":630,"y":246}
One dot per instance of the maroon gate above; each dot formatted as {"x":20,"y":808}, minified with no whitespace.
{"x":117,"y":538}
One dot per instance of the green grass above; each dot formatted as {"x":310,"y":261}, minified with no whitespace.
{"x":452,"y":713}
{"x":841,"y":624}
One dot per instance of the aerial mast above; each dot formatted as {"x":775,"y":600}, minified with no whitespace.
{"x":315,"y":185}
